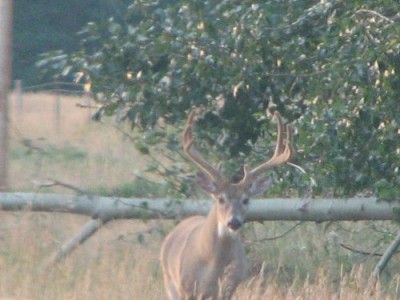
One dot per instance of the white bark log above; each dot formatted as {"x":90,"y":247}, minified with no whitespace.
{"x":104,"y":209}
{"x":107,"y":208}
{"x":390,"y":251}
{"x":87,"y":231}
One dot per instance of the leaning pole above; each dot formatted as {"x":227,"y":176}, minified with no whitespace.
{"x":5,"y":79}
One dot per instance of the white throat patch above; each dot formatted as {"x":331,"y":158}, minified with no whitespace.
{"x":224,"y":231}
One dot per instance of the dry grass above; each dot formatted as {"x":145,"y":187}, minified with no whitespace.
{"x":116,"y":263}
{"x":106,"y":151}
{"x":105,"y":267}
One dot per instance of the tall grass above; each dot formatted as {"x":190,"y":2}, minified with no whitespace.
{"x":81,"y":152}
{"x":121,"y":260}
{"x":111,"y":265}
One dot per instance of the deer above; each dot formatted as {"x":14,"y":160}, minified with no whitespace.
{"x":204,"y":257}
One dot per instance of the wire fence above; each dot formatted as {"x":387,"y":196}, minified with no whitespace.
{"x":57,"y":90}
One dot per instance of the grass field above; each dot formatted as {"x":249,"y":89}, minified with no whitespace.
{"x":121,"y":260}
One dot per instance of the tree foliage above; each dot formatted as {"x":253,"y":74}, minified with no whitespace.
{"x":330,"y":67}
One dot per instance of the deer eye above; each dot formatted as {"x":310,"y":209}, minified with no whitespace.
{"x":221,"y":200}
{"x":246,"y":201}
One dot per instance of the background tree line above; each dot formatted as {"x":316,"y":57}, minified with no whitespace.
{"x":330,"y":67}
{"x":41,"y":26}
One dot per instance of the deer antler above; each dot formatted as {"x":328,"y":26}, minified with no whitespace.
{"x":284,"y":151}
{"x":195,"y":155}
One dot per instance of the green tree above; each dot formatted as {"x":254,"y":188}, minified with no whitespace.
{"x":330,"y":67}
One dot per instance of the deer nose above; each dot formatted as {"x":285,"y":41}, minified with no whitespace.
{"x":234,"y":224}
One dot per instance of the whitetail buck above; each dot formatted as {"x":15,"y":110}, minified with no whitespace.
{"x":203,"y":257}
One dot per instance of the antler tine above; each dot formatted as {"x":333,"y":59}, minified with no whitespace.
{"x":284,"y":151}
{"x":194,"y":154}
{"x":279,"y":148}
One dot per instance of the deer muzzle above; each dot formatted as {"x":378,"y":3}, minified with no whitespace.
{"x":234,"y":224}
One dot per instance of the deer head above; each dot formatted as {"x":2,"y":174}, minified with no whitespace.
{"x":232,"y":199}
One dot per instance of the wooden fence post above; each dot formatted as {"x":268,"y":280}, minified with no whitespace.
{"x":57,"y":107}
{"x":5,"y":76}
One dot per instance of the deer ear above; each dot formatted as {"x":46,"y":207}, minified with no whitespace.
{"x":206,"y":183}
{"x":260,"y":185}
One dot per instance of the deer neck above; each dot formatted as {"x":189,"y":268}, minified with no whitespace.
{"x":213,"y":242}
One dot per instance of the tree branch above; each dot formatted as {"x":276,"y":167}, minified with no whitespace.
{"x":359,"y":251}
{"x":373,"y":13}
{"x":87,"y":231}
{"x":53,"y":182}
{"x":390,"y":251}
{"x":281,"y":235}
